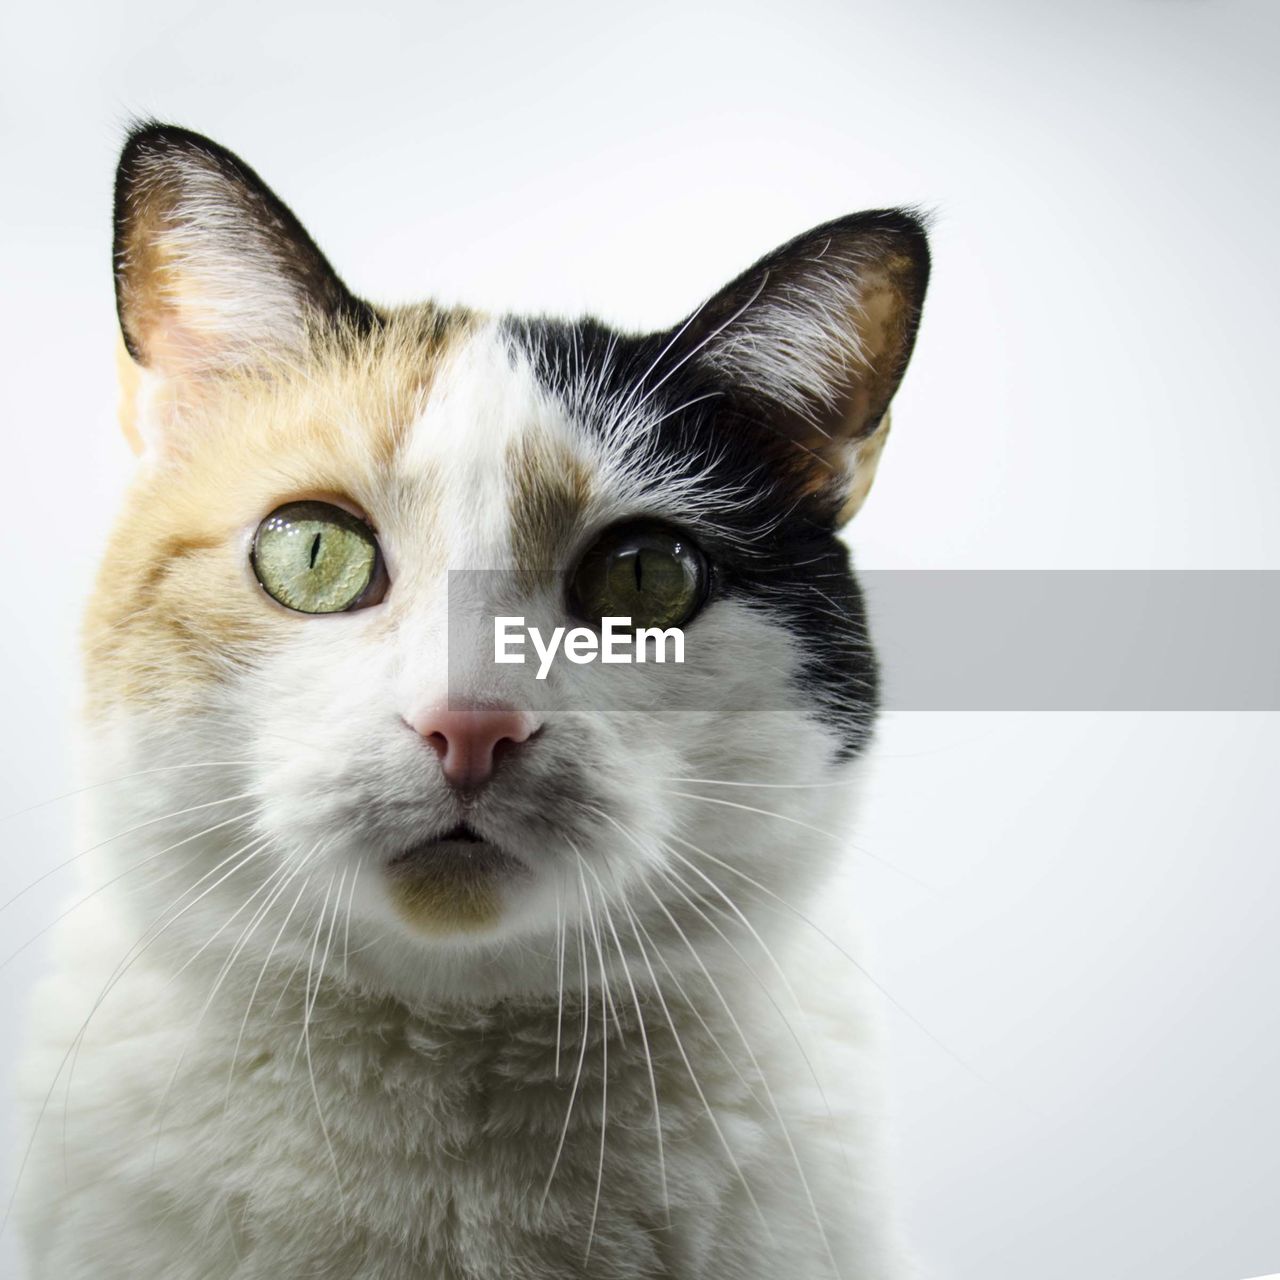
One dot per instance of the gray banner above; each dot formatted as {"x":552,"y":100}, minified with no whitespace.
{"x":1122,"y":640}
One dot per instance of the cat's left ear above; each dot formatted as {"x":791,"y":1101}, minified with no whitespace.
{"x":213,"y":273}
{"x":811,"y":344}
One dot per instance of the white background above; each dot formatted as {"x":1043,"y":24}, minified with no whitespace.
{"x":1094,"y":387}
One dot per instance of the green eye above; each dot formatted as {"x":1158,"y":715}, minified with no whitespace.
{"x":649,"y":573}
{"x":317,"y":558}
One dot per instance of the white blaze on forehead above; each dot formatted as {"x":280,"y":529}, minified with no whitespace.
{"x":484,"y":400}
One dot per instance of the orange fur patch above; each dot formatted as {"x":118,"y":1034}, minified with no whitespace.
{"x":551,"y":489}
{"x":175,"y":603}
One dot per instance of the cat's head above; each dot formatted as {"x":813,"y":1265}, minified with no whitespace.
{"x":329,"y":489}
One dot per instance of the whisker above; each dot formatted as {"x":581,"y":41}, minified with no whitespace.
{"x":604,"y":1062}
{"x":693,"y":1007}
{"x":760,"y":1075}
{"x":288,"y":982}
{"x":677,"y":881}
{"x":766,"y":813}
{"x":253,"y":853}
{"x":560,"y":938}
{"x":774,"y":786}
{"x":346,"y":930}
{"x":75,"y":906}
{"x":808,"y":826}
{"x":822,"y":933}
{"x":582,"y":1055}
{"x":134,"y":953}
{"x":710,"y":338}
{"x":253,"y":995}
{"x":698,"y":1015}
{"x":125,"y":777}
{"x":151,"y":822}
{"x":671,"y":342}
{"x":264,"y":842}
{"x":226,"y":967}
{"x":306,"y":1036}
{"x":693,"y":1076}
{"x":604,"y":979}
{"x":644,"y":1040}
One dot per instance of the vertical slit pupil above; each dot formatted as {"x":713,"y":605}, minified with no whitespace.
{"x":315,"y":549}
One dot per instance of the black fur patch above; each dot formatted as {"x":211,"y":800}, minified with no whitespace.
{"x":775,"y":548}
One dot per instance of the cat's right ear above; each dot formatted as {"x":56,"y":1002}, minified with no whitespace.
{"x":213,"y":275}
{"x":808,"y":347}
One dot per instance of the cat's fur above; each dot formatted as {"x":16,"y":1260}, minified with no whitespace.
{"x":285,"y":1076}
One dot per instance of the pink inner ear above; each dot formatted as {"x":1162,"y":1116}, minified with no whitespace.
{"x":179,"y":345}
{"x":130,"y":379}
{"x":166,"y":351}
{"x":152,"y":396}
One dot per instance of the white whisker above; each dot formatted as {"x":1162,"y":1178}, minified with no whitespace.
{"x":124,"y":777}
{"x":680,"y":885}
{"x":131,"y":956}
{"x":346,"y":929}
{"x":253,"y":995}
{"x":644,"y":1040}
{"x":808,"y":826}
{"x":560,"y":938}
{"x":906,"y":1013}
{"x":582,"y":1054}
{"x":760,"y":1075}
{"x":151,"y":822}
{"x":604,"y":1063}
{"x":306,"y":1037}
{"x":693,"y":1075}
{"x":245,"y":935}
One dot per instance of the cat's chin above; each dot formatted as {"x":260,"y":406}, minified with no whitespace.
{"x":451,"y":883}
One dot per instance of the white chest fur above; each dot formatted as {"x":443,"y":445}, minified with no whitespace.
{"x":389,"y":1144}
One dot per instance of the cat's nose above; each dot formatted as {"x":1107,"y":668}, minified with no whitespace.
{"x":469,"y":740}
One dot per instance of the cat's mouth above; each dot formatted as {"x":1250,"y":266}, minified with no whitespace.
{"x":462,"y":834}
{"x":461,"y":845}
{"x":450,"y":882}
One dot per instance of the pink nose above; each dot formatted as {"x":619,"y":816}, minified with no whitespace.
{"x":468,"y":739}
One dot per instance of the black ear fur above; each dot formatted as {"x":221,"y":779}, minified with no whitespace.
{"x":818,"y":333}
{"x":206,"y":254}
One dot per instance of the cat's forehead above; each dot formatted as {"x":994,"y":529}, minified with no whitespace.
{"x":518,"y":464}
{"x":513,"y":469}
{"x":482,"y":401}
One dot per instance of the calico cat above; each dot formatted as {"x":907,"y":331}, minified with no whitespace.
{"x":395,"y":961}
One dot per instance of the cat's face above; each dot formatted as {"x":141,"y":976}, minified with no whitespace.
{"x":334,"y":504}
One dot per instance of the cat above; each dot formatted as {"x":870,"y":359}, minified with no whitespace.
{"x":394,"y":961}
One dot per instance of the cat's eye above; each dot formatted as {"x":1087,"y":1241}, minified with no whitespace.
{"x":651,"y":573}
{"x":314,"y":557}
